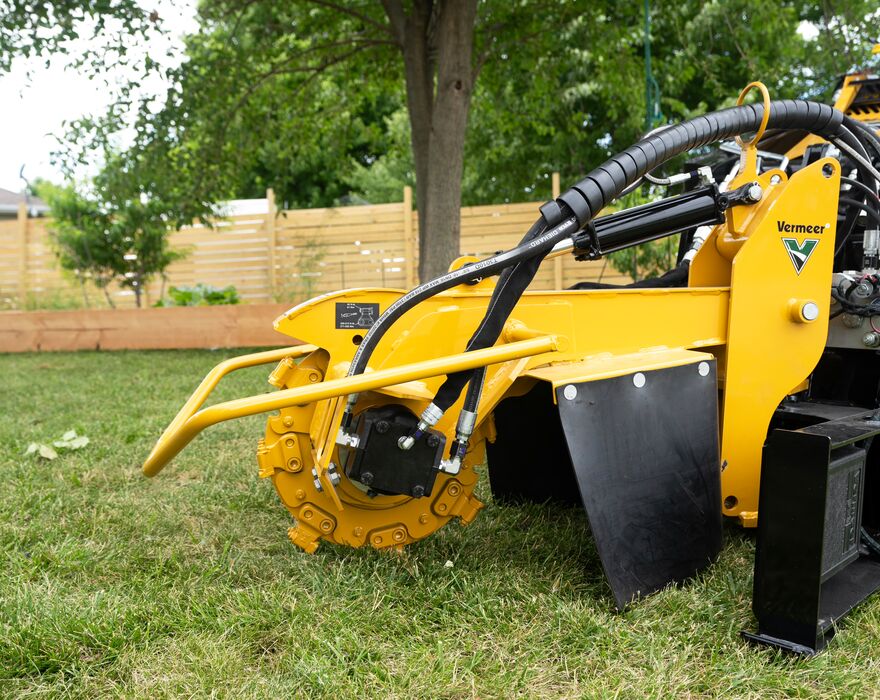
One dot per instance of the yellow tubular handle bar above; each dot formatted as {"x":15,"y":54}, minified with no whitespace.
{"x":189,"y":422}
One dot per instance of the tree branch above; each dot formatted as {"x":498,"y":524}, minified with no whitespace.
{"x":397,"y":18}
{"x":284,"y":67}
{"x":357,"y":15}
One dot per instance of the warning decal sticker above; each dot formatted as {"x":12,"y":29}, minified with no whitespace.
{"x":355,"y":316}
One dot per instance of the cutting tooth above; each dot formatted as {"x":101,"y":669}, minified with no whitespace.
{"x":304,"y":537}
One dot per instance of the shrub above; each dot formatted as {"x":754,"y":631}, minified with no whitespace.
{"x":200,"y":295}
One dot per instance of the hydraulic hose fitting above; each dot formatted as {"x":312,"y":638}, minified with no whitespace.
{"x":428,"y":419}
{"x":348,"y":413}
{"x":467,"y":420}
{"x":871,"y":249}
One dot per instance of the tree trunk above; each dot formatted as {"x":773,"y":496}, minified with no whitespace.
{"x":85,"y":293}
{"x":440,"y":238}
{"x":437,"y":43}
{"x":419,"y":73}
{"x":107,"y":297}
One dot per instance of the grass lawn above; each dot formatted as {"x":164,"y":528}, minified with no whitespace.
{"x":187,"y":586}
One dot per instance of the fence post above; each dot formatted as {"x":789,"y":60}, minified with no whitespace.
{"x":557,"y":262}
{"x":271,"y":215}
{"x":22,"y":263}
{"x":408,"y":242}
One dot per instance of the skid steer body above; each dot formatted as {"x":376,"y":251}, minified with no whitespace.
{"x":650,"y":406}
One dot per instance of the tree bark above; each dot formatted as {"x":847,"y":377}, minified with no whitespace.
{"x":436,"y":40}
{"x":439,"y":239}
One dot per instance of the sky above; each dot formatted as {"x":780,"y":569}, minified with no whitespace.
{"x":32,"y":110}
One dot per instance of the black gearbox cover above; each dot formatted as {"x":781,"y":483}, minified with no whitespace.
{"x":381,"y":465}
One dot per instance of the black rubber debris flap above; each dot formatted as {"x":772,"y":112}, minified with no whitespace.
{"x":644,"y":448}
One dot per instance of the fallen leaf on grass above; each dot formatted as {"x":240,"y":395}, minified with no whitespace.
{"x":44,"y":451}
{"x":69,"y":441}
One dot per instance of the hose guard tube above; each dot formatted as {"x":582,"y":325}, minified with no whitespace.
{"x":598,"y":189}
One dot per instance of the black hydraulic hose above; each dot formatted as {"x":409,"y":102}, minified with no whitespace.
{"x":490,"y":266}
{"x":865,"y":131}
{"x":872,"y":213}
{"x":507,"y":293}
{"x":848,"y":138}
{"x":864,"y":189}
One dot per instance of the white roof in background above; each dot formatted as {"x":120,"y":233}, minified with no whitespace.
{"x":239,"y":207}
{"x":9,"y":202}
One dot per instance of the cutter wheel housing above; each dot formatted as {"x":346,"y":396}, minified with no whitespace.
{"x":742,"y":384}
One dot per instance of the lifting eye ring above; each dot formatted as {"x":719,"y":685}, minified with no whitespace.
{"x":765,"y":94}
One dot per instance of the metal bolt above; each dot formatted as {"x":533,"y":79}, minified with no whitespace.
{"x":639,"y":380}
{"x":863,"y":289}
{"x":418,"y":491}
{"x":570,"y":392}
{"x":454,"y":489}
{"x":300,"y":494}
{"x":347,"y":439}
{"x":871,"y":340}
{"x":316,"y":481}
{"x":432,"y":441}
{"x":289,"y":442}
{"x":754,"y":193}
{"x":333,"y":474}
{"x":423,"y":518}
{"x":810,"y":311}
{"x":294,"y":464}
{"x":288,"y":421}
{"x":326,"y":525}
{"x":703,"y":369}
{"x":383,"y":426}
{"x":406,"y":442}
{"x":367,"y":478}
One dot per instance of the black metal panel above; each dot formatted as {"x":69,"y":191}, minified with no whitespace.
{"x":646,"y":459}
{"x":809,"y":571}
{"x":528,"y":460}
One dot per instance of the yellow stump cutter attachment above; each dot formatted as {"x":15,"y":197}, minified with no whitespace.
{"x":649,"y":404}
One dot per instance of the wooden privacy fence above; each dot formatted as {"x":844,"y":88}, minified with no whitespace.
{"x":283,"y":256}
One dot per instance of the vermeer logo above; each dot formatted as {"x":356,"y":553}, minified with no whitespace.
{"x":799,"y":252}
{"x":785,"y":227}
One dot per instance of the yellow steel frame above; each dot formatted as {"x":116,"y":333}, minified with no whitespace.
{"x":190,"y":421}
